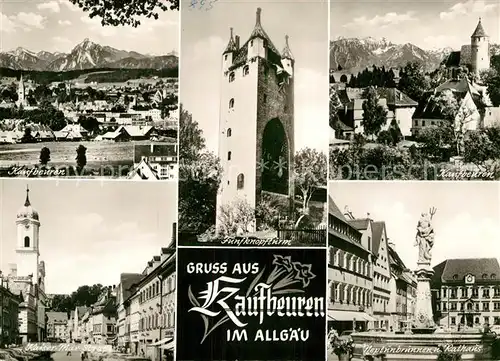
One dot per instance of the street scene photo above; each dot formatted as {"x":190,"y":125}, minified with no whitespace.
{"x":253,"y":124}
{"x":86,"y":271}
{"x":415,"y":275}
{"x":83,"y":84}
{"x":414,"y":90}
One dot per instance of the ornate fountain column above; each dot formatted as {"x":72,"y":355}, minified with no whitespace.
{"x":424,"y":320}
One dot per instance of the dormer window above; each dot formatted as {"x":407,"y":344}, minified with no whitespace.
{"x":231,"y":77}
{"x":493,"y":276}
{"x":231,"y":103}
{"x":455,"y":277}
{"x":246,"y":70}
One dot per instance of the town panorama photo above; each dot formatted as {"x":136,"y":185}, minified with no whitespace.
{"x":88,"y":90}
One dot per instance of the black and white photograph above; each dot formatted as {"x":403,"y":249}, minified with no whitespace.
{"x":253,"y":123}
{"x":83,"y":265}
{"x":414,"y":90}
{"x":82,"y":83}
{"x":267,"y":304}
{"x":415,"y":273}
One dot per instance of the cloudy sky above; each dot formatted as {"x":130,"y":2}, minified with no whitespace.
{"x":90,"y":231}
{"x":205,"y":35}
{"x":466,"y":224}
{"x":427,"y":24}
{"x":58,"y":25}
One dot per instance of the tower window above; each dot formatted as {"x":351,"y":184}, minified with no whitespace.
{"x":246,"y":70}
{"x":265,"y":99}
{"x":228,"y":155}
{"x":231,"y":103}
{"x":231,"y":77}
{"x":251,"y":42}
{"x":229,"y":132}
{"x":26,"y":241}
{"x":240,"y":181}
{"x":225,"y":57}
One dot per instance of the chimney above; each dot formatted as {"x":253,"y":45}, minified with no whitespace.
{"x":257,"y":18}
{"x":237,"y":41}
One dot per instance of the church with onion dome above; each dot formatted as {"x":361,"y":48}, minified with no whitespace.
{"x":27,"y":276}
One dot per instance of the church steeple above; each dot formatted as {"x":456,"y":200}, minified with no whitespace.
{"x":27,"y":202}
{"x":287,"y":53}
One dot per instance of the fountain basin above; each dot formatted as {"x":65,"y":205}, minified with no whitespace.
{"x":417,"y":347}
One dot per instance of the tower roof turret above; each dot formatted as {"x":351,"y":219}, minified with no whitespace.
{"x":287,"y":53}
{"x":27,"y":211}
{"x":479,"y":32}
{"x":258,"y":32}
{"x":231,"y":46}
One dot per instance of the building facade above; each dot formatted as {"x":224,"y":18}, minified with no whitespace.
{"x":9,"y":311}
{"x":256,"y":125}
{"x":350,"y":284}
{"x":57,"y":325}
{"x":466,"y":292}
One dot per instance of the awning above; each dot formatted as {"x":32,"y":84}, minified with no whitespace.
{"x":338,"y":315}
{"x":161,"y":342}
{"x":168,"y":346}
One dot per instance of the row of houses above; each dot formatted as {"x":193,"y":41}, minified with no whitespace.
{"x":137,"y":315}
{"x":73,"y":132}
{"x":369,"y":286}
{"x":474,"y":109}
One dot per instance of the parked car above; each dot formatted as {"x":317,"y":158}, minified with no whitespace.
{"x":346,"y":335}
{"x":495,"y":329}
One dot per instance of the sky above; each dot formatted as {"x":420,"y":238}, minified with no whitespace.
{"x":90,"y":231}
{"x":431,"y":24}
{"x":466,"y":223}
{"x":205,"y":35}
{"x":58,"y":25}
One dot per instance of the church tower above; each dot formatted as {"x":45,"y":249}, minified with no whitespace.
{"x":480,"y":50}
{"x":21,"y":93}
{"x":27,"y":250}
{"x":256,"y":124}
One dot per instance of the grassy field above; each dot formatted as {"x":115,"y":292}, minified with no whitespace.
{"x":100,"y":155}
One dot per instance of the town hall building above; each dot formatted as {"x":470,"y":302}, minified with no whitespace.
{"x":256,"y":125}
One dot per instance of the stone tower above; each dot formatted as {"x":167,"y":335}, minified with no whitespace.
{"x":21,"y":93}
{"x":256,"y":124}
{"x":27,"y":250}
{"x":480,"y":50}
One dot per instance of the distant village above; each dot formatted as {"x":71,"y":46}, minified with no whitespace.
{"x":73,"y":111}
{"x":456,"y":91}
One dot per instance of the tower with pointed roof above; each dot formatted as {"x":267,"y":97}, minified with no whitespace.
{"x":27,"y":250}
{"x":256,"y":124}
{"x":480,"y":50}
{"x":21,"y":93}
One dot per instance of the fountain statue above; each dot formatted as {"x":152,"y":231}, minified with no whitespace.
{"x":424,"y":239}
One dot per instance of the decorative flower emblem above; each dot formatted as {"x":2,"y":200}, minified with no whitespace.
{"x":283,"y":261}
{"x":303,"y":273}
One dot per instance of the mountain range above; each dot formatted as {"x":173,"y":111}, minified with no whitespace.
{"x":354,"y":55}
{"x":86,"y":55}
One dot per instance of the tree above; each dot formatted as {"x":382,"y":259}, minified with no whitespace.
{"x":374,"y":114}
{"x":116,"y":12}
{"x":81,"y":158}
{"x":236,"y":218}
{"x":27,"y":136}
{"x":44,"y":156}
{"x":198,"y":186}
{"x":90,"y":124}
{"x":491,"y":79}
{"x":395,"y":132}
{"x":191,"y":140}
{"x":413,"y":82}
{"x":309,"y":173}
